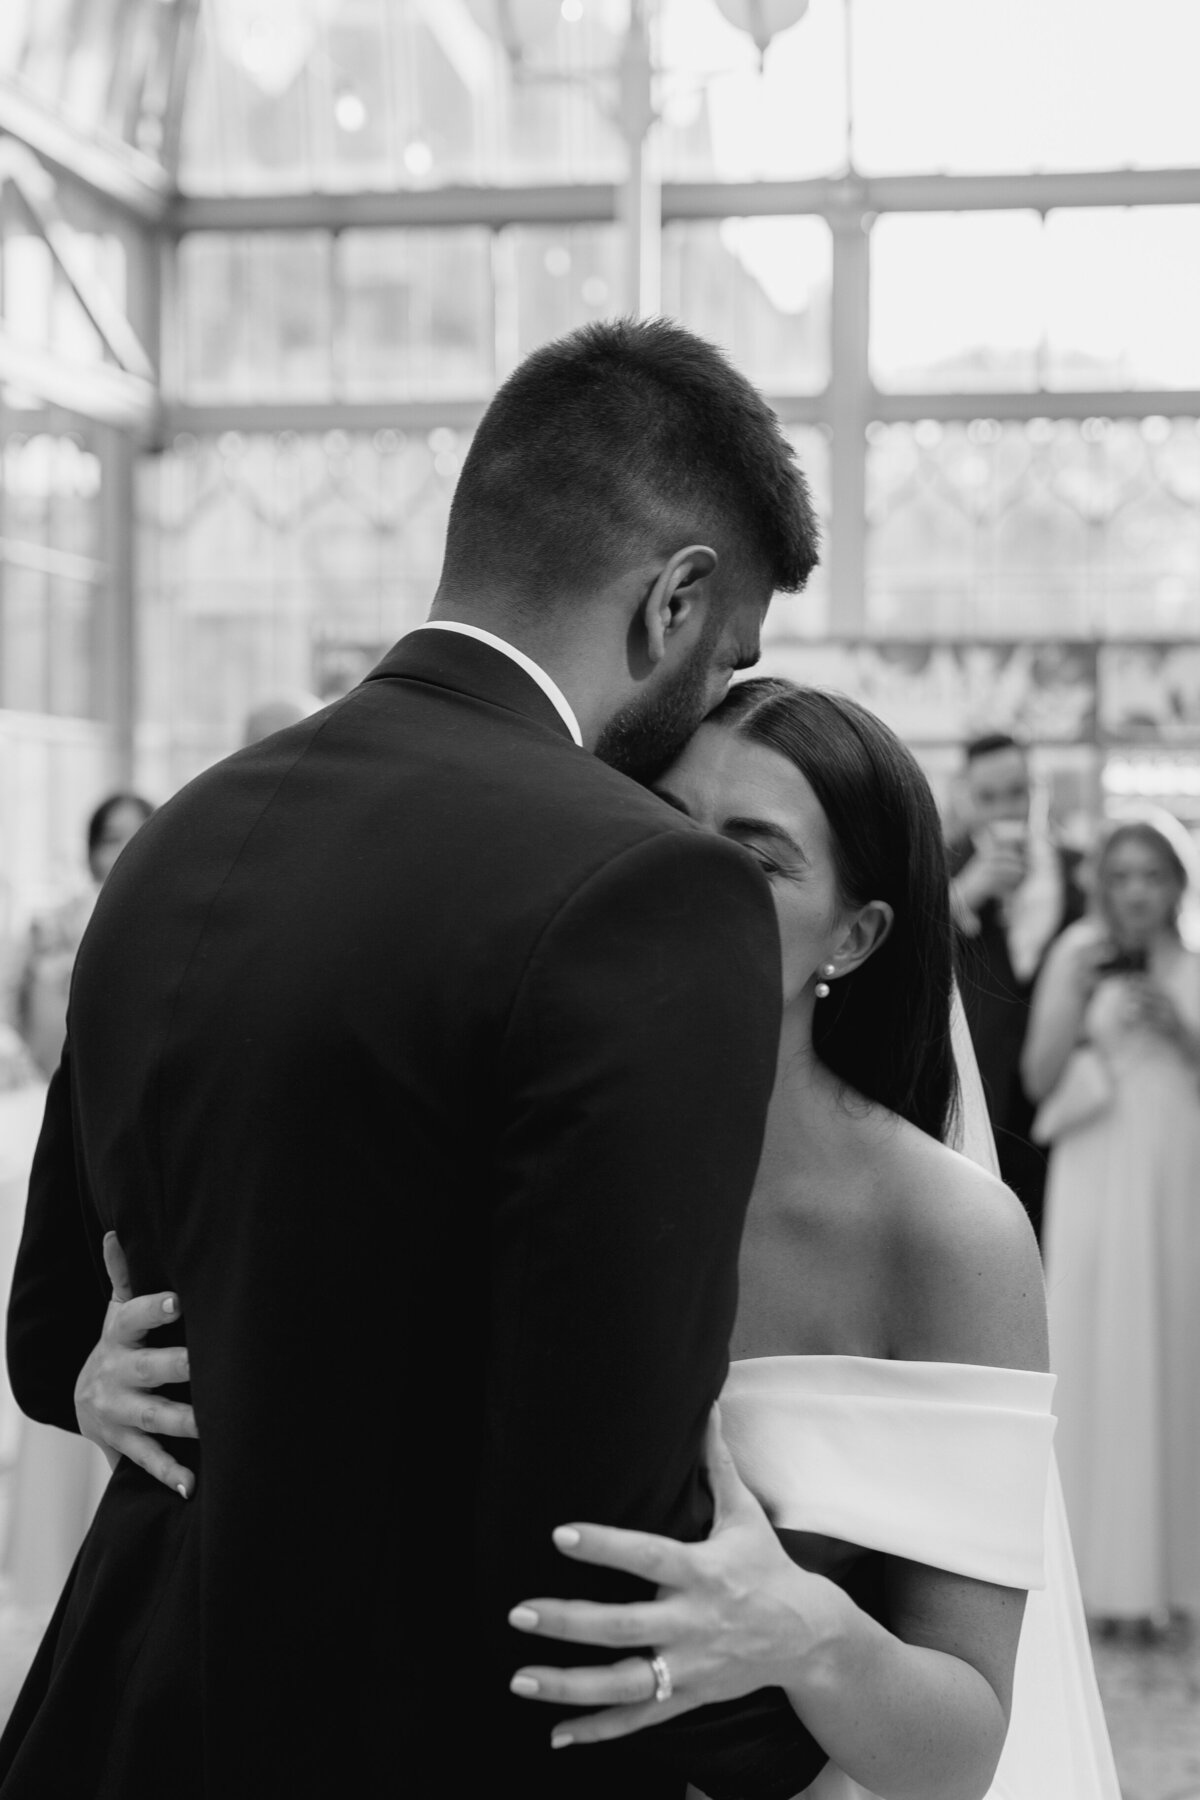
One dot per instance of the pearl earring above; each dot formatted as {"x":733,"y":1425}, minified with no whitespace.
{"x":822,"y":988}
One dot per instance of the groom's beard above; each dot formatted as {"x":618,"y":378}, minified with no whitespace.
{"x":646,"y":736}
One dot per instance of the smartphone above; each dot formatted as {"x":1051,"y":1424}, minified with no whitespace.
{"x":1125,"y":962}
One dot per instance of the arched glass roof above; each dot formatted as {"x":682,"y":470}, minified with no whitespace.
{"x":334,"y":95}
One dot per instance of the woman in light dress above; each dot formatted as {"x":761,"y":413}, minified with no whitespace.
{"x":888,"y":1404}
{"x":1123,"y":1233}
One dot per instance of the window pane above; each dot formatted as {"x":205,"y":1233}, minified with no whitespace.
{"x":73,"y":650}
{"x":550,"y":280}
{"x":276,"y":563}
{"x":416,"y":313}
{"x":256,"y":315}
{"x":1032,"y":84}
{"x":24,"y":639}
{"x":1088,"y":298}
{"x":385,"y":93}
{"x":955,"y":301}
{"x":1122,"y":289}
{"x":760,"y":289}
{"x":49,"y":578}
{"x":724,"y":118}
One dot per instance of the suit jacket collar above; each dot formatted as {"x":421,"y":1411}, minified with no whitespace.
{"x":465,"y":666}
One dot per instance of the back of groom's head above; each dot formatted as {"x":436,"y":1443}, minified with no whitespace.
{"x":624,"y":441}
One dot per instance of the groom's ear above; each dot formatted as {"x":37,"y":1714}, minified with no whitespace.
{"x":676,"y":594}
{"x":864,"y":934}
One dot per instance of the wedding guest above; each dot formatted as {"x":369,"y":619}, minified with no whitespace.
{"x":54,"y":935}
{"x":1013,"y":889}
{"x":1114,"y":1039}
{"x":57,"y":1480}
{"x":277,"y":714}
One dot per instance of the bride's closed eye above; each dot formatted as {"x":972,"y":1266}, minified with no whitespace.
{"x":775,"y":850}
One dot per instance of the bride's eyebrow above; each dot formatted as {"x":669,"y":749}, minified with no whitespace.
{"x":763,"y":828}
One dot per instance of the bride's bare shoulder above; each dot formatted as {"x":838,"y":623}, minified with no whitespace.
{"x":967,"y":1281}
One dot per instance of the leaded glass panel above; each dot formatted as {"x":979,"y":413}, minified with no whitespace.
{"x":1051,"y":528}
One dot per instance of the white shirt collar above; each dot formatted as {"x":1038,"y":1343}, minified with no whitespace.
{"x":548,"y":685}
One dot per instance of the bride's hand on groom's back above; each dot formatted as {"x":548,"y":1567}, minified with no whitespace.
{"x":115,"y":1402}
{"x":732,"y":1614}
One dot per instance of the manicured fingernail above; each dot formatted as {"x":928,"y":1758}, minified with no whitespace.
{"x":524,"y":1684}
{"x":524,"y":1618}
{"x":169,"y":1304}
{"x":566,"y":1537}
{"x":181,"y":1490}
{"x":560,"y":1739}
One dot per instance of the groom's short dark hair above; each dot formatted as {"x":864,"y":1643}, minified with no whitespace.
{"x":620,"y":440}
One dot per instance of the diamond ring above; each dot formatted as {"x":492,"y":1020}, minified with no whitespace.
{"x":664,"y":1687}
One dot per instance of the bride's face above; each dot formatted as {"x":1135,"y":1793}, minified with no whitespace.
{"x":755,"y":796}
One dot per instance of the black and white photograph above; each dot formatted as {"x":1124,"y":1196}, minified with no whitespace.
{"x":600,"y":899}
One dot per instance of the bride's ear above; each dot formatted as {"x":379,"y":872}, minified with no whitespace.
{"x":863,"y":935}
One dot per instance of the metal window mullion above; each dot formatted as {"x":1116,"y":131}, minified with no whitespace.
{"x":849,"y":405}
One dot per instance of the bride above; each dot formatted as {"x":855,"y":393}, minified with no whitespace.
{"x":888,"y":1409}
{"x":886,"y":1497}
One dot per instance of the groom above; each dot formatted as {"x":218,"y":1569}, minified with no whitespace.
{"x":426,"y":1057}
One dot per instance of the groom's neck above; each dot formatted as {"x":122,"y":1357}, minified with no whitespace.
{"x":578,"y":646}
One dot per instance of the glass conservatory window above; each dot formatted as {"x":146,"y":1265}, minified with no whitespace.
{"x":955,"y":301}
{"x":1033,"y":84}
{"x":1121,"y":287}
{"x":50,"y":578}
{"x":104,"y":63}
{"x":300,"y":94}
{"x":256,"y":315}
{"x":1095,"y":297}
{"x":279,"y":561}
{"x":761,"y":289}
{"x":413,"y":313}
{"x":724,"y":118}
{"x":1050,"y":528}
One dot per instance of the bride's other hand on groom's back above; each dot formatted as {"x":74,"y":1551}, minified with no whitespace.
{"x":117,"y":1400}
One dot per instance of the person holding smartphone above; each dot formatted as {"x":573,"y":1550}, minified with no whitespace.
{"x":1122,"y":1240}
{"x":1012,"y":890}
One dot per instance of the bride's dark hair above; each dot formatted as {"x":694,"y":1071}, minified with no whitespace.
{"x":885,"y":1028}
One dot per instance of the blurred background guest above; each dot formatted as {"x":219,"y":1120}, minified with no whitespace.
{"x":277,"y":713}
{"x":44,"y":978}
{"x":57,"y":1479}
{"x":1013,"y":889}
{"x":1116,"y":1025}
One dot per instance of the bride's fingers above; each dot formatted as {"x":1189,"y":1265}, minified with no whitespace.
{"x":661,"y":1560}
{"x":142,"y":1368}
{"x":617,"y":1722}
{"x":117,"y":1267}
{"x":629,"y":1682}
{"x":150,"y":1456}
{"x":134,"y":1318}
{"x":591,"y":1622}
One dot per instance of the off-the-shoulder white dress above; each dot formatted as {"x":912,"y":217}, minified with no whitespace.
{"x":951,"y":1465}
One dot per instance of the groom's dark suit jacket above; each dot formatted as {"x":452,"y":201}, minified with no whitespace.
{"x":427,"y":1058}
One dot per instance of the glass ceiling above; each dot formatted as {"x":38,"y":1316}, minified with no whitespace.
{"x":328,"y":95}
